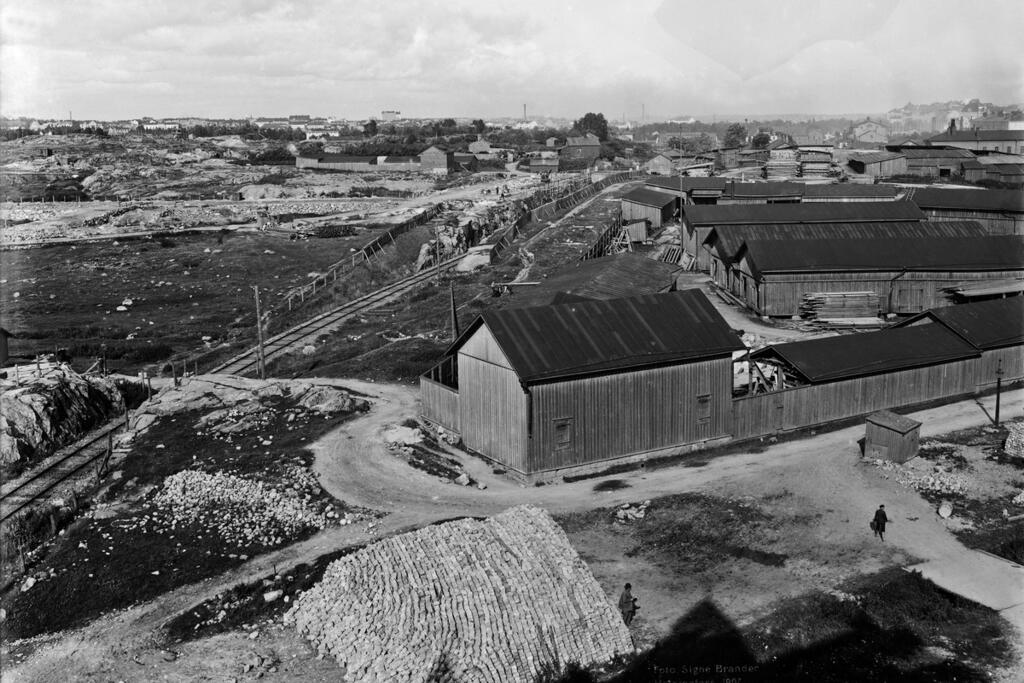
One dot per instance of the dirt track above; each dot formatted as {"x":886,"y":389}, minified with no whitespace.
{"x":823,"y":472}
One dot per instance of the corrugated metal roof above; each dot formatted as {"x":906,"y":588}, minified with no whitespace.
{"x":609,"y":277}
{"x":816,"y":212}
{"x":873,"y":157}
{"x":949,"y":254}
{"x":870,"y":353}
{"x":849,"y":190}
{"x":593,"y":337}
{"x":687,"y":184}
{"x":642,"y":195}
{"x":969,"y":200}
{"x":985,"y":324}
{"x":727,"y":239}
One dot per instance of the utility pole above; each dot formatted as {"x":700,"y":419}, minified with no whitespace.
{"x":261,"y":365}
{"x":999,"y":387}
{"x":455,"y":315}
{"x":524,"y":112}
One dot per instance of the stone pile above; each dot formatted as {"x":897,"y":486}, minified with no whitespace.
{"x":938,"y":481}
{"x":39,"y":415}
{"x":1015,"y":440}
{"x":632,"y":512}
{"x":502,"y":600}
{"x":243,"y":512}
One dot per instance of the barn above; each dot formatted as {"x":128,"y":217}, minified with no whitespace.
{"x":723,"y":243}
{"x":698,"y":221}
{"x":878,"y":164}
{"x":1001,"y":211}
{"x":650,"y":205}
{"x":547,"y":390}
{"x":908,"y":273}
{"x":818,"y":381}
{"x":994,"y":327}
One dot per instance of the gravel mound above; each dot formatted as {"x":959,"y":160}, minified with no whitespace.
{"x":504,"y":599}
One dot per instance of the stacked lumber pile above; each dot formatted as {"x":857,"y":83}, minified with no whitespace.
{"x":815,"y":164}
{"x":503,"y":599}
{"x":782,"y":164}
{"x":842,"y":309}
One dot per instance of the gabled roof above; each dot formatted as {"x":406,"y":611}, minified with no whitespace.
{"x":343,"y":159}
{"x":981,"y":135}
{"x":873,"y":157}
{"x":936,"y":153}
{"x":849,"y":190}
{"x":769,"y":189}
{"x":986,"y":324}
{"x":687,"y":184}
{"x":946,"y":254}
{"x":969,"y":200}
{"x":647,"y":197}
{"x":728,"y":239}
{"x":815,"y":212}
{"x":545,"y":343}
{"x":857,"y":355}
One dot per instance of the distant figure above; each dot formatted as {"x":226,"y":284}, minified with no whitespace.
{"x":879,"y":522}
{"x":627,"y":604}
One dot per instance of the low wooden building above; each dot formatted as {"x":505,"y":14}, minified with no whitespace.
{"x":337,"y":162}
{"x":878,"y":164}
{"x":848,"y":192}
{"x":723,"y":243}
{"x":836,"y":378}
{"x":643,"y":204}
{"x":936,"y":162}
{"x":548,"y":390}
{"x":437,"y":160}
{"x":762,"y":193}
{"x":1001,"y":211}
{"x":995,"y":327}
{"x":909,"y":274}
{"x":660,"y":165}
{"x":698,"y":221}
{"x":892,"y":437}
{"x":691,"y":190}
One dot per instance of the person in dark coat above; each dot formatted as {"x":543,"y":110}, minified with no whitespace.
{"x":627,"y":604}
{"x":880,"y":521}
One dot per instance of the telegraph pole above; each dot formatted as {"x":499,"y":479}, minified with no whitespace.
{"x":261,"y":365}
{"x":999,"y":387}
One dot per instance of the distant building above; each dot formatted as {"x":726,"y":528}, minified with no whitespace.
{"x":586,"y":147}
{"x":438,"y":161}
{"x":870,"y":132}
{"x":660,"y":165}
{"x":390,"y":115}
{"x":1009,"y":141}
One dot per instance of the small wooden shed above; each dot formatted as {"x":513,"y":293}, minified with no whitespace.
{"x":891,"y":437}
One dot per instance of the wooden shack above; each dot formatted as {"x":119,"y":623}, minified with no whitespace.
{"x":689,"y":190}
{"x":1001,"y":211}
{"x":890,"y":436}
{"x":643,"y":204}
{"x":547,"y":390}
{"x":878,"y":164}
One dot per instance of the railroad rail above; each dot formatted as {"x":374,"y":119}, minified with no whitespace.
{"x":80,"y":456}
{"x":246,"y":363}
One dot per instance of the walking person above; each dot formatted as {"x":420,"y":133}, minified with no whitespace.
{"x":627,"y":604}
{"x":879,"y":522}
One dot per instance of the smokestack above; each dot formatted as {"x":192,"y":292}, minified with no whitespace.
{"x":952,"y":126}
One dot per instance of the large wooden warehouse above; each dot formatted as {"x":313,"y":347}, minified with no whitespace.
{"x":1001,"y":211}
{"x":699,"y":221}
{"x":549,"y":389}
{"x":649,"y":205}
{"x":907,"y":273}
{"x":723,"y":243}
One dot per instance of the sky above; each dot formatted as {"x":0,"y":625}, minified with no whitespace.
{"x":121,"y":59}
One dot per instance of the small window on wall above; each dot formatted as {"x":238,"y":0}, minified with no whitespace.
{"x":563,"y":432}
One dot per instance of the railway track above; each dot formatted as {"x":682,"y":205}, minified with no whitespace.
{"x":245,"y":363}
{"x":56,"y":470}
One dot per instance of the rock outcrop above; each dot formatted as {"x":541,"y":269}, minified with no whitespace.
{"x":41,"y":415}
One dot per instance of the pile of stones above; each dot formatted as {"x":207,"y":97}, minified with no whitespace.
{"x":1015,"y":440}
{"x":631,"y":512}
{"x":503,"y":599}
{"x":938,"y":481}
{"x":243,"y":512}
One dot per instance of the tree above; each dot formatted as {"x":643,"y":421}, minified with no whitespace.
{"x":593,"y":123}
{"x":370,"y":128}
{"x":479,"y":126}
{"x":735,"y":135}
{"x":761,"y":140}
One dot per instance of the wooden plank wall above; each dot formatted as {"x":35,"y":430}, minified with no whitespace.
{"x":439,"y":404}
{"x":1010,"y":360}
{"x":911,"y":293}
{"x":632,"y":412}
{"x":818,"y":404}
{"x":632,"y":211}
